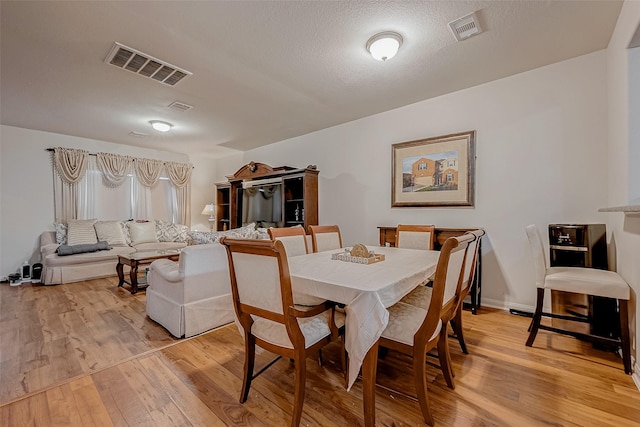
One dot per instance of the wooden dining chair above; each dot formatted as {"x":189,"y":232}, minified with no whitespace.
{"x":415,"y":236}
{"x":468,"y":278}
{"x":415,"y":331}
{"x":293,"y":238}
{"x":325,"y":237}
{"x":265,"y":307}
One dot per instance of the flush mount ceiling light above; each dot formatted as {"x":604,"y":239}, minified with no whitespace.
{"x":161,"y":126}
{"x":385,"y":45}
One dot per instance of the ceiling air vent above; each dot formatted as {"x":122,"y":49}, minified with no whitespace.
{"x":180,"y":106}
{"x":145,"y":65}
{"x":465,"y":27}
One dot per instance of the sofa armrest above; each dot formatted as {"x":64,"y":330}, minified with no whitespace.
{"x":48,"y":249}
{"x":166,"y":269}
{"x":48,"y":238}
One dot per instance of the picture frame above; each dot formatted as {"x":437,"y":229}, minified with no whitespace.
{"x":434,"y":172}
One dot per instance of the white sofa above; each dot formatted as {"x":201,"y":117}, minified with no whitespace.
{"x":192,"y":295}
{"x":58,"y":269}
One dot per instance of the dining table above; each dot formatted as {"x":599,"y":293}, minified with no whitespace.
{"x":366,"y":290}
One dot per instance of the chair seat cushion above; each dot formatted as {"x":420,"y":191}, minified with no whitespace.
{"x":404,"y":321}
{"x":313,"y":328}
{"x":419,"y":297}
{"x":589,"y":281}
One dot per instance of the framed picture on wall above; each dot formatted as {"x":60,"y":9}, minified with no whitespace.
{"x":436,"y":171}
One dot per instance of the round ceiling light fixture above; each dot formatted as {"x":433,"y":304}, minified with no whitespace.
{"x":384,"y":45}
{"x":161,"y":126}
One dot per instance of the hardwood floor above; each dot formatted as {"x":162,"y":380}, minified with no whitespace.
{"x":85,"y":354}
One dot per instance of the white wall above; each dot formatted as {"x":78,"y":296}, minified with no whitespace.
{"x":623,"y":80}
{"x":26,"y":183}
{"x":541,"y":158}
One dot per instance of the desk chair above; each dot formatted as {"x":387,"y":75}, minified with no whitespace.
{"x":264,"y":305}
{"x":579,"y":280}
{"x":325,"y":237}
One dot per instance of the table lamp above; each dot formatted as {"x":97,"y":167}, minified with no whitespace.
{"x":208,"y":210}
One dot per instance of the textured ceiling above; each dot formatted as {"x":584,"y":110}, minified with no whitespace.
{"x":265,"y":71}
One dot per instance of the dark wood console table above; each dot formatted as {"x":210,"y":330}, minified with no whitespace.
{"x":388,"y":236}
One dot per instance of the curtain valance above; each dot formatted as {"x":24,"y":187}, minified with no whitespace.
{"x":148,"y":171}
{"x":114,"y":168}
{"x":70,"y":163}
{"x":179,"y":173}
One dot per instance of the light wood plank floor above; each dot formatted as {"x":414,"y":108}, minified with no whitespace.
{"x":85,"y":354}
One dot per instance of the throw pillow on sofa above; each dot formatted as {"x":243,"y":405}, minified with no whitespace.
{"x":168,"y":232}
{"x":61,"y":233}
{"x":245,"y":232}
{"x":64,"y":250}
{"x":143,"y":232}
{"x":111,"y":232}
{"x":81,"y":231}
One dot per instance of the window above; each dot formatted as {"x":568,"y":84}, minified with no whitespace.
{"x":449,"y":177}
{"x":422,"y":166}
{"x":452,"y":162}
{"x":126,"y":201}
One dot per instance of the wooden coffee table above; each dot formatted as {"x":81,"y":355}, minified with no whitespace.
{"x":137,"y":259}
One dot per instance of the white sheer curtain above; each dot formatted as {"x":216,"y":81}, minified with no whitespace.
{"x":141,"y":202}
{"x":88,"y":188}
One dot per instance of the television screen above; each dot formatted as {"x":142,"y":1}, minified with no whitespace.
{"x":262,"y":205}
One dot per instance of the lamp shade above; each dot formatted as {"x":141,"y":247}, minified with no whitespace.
{"x":208,"y":210}
{"x":385,"y":45}
{"x":161,"y":126}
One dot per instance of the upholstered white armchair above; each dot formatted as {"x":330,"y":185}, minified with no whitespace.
{"x":192,"y":295}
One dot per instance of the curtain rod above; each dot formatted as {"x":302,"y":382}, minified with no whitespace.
{"x":53,"y":149}
{"x":94,"y":154}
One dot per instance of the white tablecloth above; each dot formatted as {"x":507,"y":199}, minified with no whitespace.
{"x":367,"y":290}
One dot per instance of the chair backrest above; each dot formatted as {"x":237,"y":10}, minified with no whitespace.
{"x":202,"y":272}
{"x":472,"y":260}
{"x":260,"y":281}
{"x":446,"y":286}
{"x":325,"y":237}
{"x":537,"y":250}
{"x":293,"y":238}
{"x":456,"y":276}
{"x":415,"y":236}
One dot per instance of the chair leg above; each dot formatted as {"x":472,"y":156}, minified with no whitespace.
{"x":445,"y":357}
{"x":537,"y":316}
{"x":420,"y":381}
{"x":624,"y":335}
{"x":298,"y":394}
{"x":250,"y":356}
{"x":456,"y":325}
{"x":319,"y":357}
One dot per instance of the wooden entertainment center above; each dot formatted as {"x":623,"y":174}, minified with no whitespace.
{"x":299,"y":195}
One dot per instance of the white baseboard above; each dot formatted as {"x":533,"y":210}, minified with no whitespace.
{"x":636,"y":374}
{"x":506,"y":306}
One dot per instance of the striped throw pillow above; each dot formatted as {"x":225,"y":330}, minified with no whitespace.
{"x":81,"y":231}
{"x":111,"y":232}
